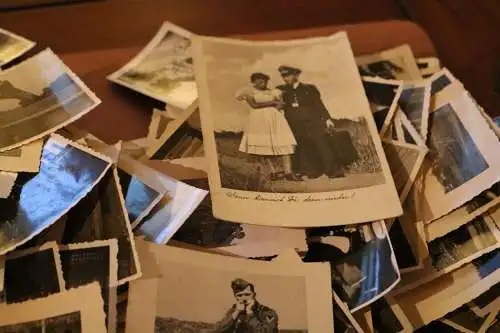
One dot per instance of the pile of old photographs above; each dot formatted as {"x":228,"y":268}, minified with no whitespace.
{"x":285,"y":186}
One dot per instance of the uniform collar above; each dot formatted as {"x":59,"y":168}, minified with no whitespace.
{"x":296,"y":84}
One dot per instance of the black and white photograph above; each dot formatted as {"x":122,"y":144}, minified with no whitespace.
{"x":363,"y":263}
{"x":78,"y":310}
{"x":343,"y":320}
{"x":283,"y":129}
{"x":407,"y":255}
{"x":234,"y":295}
{"x":405,"y":161}
{"x":39,"y":96}
{"x":387,"y":316}
{"x":12,"y":46}
{"x":204,"y":230}
{"x":383,"y":96}
{"x":32,"y":273}
{"x":428,"y":66}
{"x":93,"y":261}
{"x":180,"y":140}
{"x":465,"y":320}
{"x":440,"y":80}
{"x":414,"y":102}
{"x":393,"y":64}
{"x":139,"y":197}
{"x":487,"y":302}
{"x":459,"y":247}
{"x":479,"y":205}
{"x":23,"y":159}
{"x":102,"y":216}
{"x":463,"y":154}
{"x":67,"y":173}
{"x":163,"y":70}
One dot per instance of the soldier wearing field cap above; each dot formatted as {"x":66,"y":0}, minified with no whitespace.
{"x":309,"y":120}
{"x":247,"y":315}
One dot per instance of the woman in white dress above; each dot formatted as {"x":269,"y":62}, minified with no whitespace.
{"x":267,"y":132}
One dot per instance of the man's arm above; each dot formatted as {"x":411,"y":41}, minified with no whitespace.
{"x":226,"y":324}
{"x":320,"y":107}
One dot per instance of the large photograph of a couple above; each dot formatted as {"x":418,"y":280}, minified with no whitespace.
{"x":280,"y":126}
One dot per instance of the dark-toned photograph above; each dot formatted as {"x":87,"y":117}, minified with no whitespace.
{"x":70,"y":322}
{"x":464,"y":318}
{"x":468,"y":241}
{"x":455,"y":156}
{"x":139,"y":197}
{"x":35,"y":104}
{"x":403,"y":250}
{"x":66,"y":175}
{"x":363,"y":263}
{"x":31,"y":276}
{"x":382,"y":99}
{"x":186,"y":141}
{"x":385,"y":69}
{"x":439,"y":82}
{"x":414,"y":102}
{"x":383,"y":317}
{"x":85,"y":264}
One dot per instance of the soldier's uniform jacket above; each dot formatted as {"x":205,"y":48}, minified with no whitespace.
{"x":263,"y":320}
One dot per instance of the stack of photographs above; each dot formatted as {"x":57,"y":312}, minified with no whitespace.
{"x":359,"y":195}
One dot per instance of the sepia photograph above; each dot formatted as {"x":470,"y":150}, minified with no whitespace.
{"x":163,"y":70}
{"x":414,"y":102}
{"x":486,"y":201}
{"x":78,"y":310}
{"x":32,"y":273}
{"x":394,"y":64}
{"x":383,"y":96}
{"x":447,"y":253}
{"x":463,"y":158}
{"x":279,"y":128}
{"x":39,"y":96}
{"x":23,"y":159}
{"x":12,"y":46}
{"x":93,"y":261}
{"x":405,"y":161}
{"x":139,"y":197}
{"x":235,"y":295}
{"x":363,"y":263}
{"x":204,"y":230}
{"x":67,"y":173}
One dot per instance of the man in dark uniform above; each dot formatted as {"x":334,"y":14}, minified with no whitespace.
{"x":247,"y":315}
{"x":309,"y":121}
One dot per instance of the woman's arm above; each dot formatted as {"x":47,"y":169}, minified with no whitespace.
{"x":259,"y":105}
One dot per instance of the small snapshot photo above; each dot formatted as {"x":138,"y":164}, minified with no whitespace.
{"x":70,"y":322}
{"x":225,"y":301}
{"x":67,"y":174}
{"x":39,"y":96}
{"x":455,"y":157}
{"x":163,"y":69}
{"x":281,"y":125}
{"x":393,"y":64}
{"x":362,"y":260}
{"x":414,"y":102}
{"x":12,"y":46}
{"x":383,"y":96}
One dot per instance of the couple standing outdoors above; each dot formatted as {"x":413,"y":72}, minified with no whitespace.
{"x":290,"y":122}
